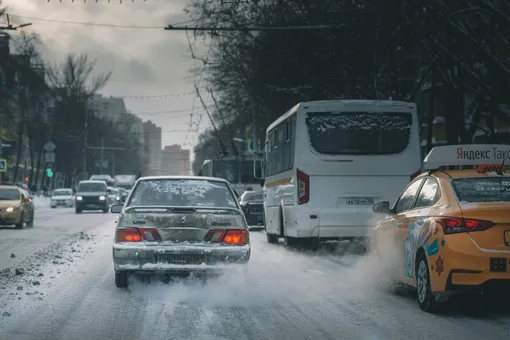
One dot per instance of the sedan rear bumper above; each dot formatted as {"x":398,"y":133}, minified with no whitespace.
{"x":143,"y":258}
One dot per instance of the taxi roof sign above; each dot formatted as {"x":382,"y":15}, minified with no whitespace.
{"x":468,"y":154}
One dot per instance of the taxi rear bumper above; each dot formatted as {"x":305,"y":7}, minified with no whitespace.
{"x":469,"y":267}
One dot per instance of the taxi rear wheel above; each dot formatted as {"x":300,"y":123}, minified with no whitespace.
{"x":426,"y":299}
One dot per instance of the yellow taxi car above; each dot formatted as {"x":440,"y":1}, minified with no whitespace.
{"x":450,"y":227}
{"x":16,"y":206}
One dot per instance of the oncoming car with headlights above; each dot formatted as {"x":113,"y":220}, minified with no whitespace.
{"x":179,"y":224}
{"x":16,"y":206}
{"x":91,"y":195}
{"x":62,"y":197}
{"x":449,"y":231}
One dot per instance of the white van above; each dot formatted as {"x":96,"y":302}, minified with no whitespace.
{"x":327,"y":162}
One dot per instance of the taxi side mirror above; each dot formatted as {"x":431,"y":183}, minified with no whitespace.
{"x":382,"y":208}
{"x":116,"y":209}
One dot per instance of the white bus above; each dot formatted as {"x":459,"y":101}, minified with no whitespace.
{"x":238,"y":171}
{"x":327,"y":162}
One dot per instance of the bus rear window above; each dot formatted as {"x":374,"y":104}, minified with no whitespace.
{"x":482,"y":189}
{"x":359,"y":133}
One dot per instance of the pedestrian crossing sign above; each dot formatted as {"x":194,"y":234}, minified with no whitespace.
{"x":3,"y":165}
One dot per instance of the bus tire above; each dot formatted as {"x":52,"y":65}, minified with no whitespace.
{"x":271,"y":238}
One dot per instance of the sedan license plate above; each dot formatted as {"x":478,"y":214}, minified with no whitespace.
{"x":359,"y":201}
{"x":498,"y":264}
{"x":507,"y":237}
{"x":182,"y":259}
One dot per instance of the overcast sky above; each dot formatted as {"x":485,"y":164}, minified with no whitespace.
{"x":144,"y":62}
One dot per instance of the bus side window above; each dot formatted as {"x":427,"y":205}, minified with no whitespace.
{"x":285,"y":156}
{"x":279,"y":151}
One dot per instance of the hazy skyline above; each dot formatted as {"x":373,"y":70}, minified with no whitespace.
{"x":151,"y":67}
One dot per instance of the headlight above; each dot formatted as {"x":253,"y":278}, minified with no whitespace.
{"x":79,"y":198}
{"x":102,"y":198}
{"x":117,"y":198}
{"x":11,"y":209}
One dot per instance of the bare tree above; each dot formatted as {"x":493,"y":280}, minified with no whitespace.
{"x":29,"y":62}
{"x":75,"y":76}
{"x":75,"y":81}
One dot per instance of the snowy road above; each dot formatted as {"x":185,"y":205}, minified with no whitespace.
{"x":65,"y":290}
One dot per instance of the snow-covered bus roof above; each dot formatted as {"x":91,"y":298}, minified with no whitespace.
{"x":323,"y":105}
{"x":468,"y":154}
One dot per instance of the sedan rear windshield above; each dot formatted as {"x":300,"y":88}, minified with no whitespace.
{"x":359,"y":133}
{"x":482,"y":189}
{"x":9,"y":194}
{"x":62,"y":193}
{"x":92,"y":187}
{"x":255,"y":196}
{"x":183,"y":193}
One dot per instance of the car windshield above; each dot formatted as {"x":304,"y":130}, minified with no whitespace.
{"x":183,"y":193}
{"x":482,"y":189}
{"x":9,"y":194}
{"x":91,"y":187}
{"x":63,"y":192}
{"x":253,"y":196}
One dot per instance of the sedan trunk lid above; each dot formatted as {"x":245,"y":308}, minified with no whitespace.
{"x":183,"y":225}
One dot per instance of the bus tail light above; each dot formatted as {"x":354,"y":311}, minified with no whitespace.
{"x":453,"y":225}
{"x":303,"y":187}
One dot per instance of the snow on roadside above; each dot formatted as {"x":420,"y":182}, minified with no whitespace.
{"x":31,"y":277}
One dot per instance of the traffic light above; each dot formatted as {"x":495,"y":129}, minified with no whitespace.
{"x":27,"y":179}
{"x":49,"y":172}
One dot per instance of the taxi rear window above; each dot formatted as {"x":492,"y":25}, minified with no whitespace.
{"x":496,"y":189}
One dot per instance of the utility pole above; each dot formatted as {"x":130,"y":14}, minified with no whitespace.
{"x":102,"y":148}
{"x":85,"y":143}
{"x":11,"y":27}
{"x":101,"y":157}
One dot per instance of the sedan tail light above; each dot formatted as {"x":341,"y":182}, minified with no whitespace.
{"x":128,"y":235}
{"x":453,"y":225}
{"x":150,"y":234}
{"x":231,"y":236}
{"x":137,"y":235}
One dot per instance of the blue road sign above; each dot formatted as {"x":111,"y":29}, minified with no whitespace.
{"x":3,"y":165}
{"x":251,"y":146}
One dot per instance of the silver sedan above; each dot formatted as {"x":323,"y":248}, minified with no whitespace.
{"x":175,"y":224}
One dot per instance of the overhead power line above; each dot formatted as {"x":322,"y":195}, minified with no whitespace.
{"x":255,"y":28}
{"x":83,"y":23}
{"x":157,"y":96}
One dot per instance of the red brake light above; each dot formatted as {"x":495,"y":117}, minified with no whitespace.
{"x":128,"y":235}
{"x":303,"y":187}
{"x":238,"y":237}
{"x":416,"y":174}
{"x":453,"y":225}
{"x":150,"y":234}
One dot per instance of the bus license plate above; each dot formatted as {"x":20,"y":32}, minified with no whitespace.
{"x":359,"y":201}
{"x":507,"y":237}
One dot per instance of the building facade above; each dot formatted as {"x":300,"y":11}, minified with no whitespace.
{"x":152,"y":137}
{"x":175,"y":161}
